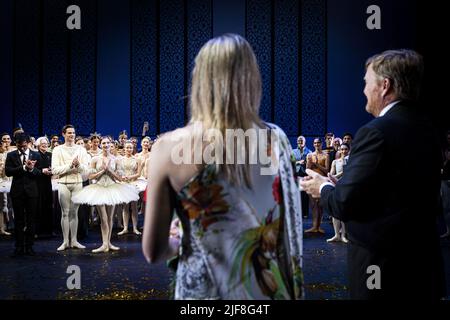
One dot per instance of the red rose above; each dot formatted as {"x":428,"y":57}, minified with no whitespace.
{"x":276,"y":190}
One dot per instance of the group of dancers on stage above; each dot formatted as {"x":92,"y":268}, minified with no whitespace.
{"x":330,"y":160}
{"x":107,"y":175}
{"x":96,"y":171}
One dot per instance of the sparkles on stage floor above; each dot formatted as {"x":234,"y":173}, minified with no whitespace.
{"x":126,"y":275}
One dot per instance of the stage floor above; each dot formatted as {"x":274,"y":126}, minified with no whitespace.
{"x":126,"y":275}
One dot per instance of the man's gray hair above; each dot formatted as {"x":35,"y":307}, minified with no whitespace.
{"x":404,"y":68}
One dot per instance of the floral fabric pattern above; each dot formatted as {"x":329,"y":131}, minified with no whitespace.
{"x":241,"y":243}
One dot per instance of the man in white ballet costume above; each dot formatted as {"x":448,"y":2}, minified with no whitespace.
{"x":70,"y":162}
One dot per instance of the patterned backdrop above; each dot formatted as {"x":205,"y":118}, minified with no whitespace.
{"x":289,"y":39}
{"x":55,"y":69}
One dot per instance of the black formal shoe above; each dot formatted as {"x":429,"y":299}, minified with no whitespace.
{"x":30,"y":252}
{"x":18,"y":252}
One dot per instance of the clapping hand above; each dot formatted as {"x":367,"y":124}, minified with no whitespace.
{"x":47,"y":171}
{"x":105,"y":165}
{"x":30,"y":164}
{"x":332,"y":178}
{"x":75,"y":162}
{"x":311,"y":183}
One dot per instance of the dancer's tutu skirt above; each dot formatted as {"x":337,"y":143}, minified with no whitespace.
{"x":140,"y":184}
{"x":5,"y":186}
{"x":97,"y":194}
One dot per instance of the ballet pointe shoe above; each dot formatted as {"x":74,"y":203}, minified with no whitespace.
{"x":445,"y":235}
{"x":75,"y":244}
{"x":62,"y":247}
{"x":103,"y":248}
{"x":311,"y":230}
{"x":137,"y":232}
{"x":113,"y":247}
{"x":5,"y":233}
{"x":336,"y":238}
{"x":124,"y":231}
{"x":344,"y":239}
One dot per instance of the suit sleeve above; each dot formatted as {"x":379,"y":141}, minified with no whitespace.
{"x":11,"y":169}
{"x":37,"y":170}
{"x":355,"y":189}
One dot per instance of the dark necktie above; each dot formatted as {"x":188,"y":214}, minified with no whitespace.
{"x":24,"y":157}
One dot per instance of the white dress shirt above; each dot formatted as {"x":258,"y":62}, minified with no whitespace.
{"x":27,"y":156}
{"x":387,"y":108}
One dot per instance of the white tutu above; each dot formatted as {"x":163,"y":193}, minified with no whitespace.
{"x":5,"y":186}
{"x":99,"y":194}
{"x":140,"y":184}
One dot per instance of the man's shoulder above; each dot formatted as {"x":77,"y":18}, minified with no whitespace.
{"x":403,"y":117}
{"x":11,"y":154}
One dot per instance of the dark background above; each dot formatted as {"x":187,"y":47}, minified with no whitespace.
{"x":131,"y":60}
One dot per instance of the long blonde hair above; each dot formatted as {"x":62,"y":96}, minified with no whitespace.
{"x":226,"y":93}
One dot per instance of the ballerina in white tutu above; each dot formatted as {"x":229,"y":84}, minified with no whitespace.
{"x":131,"y":169}
{"x":105,"y":192}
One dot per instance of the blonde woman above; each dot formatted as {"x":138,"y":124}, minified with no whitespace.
{"x":242,"y":228}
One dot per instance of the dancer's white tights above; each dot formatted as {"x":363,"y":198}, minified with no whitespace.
{"x":106,"y":218}
{"x":69,"y":211}
{"x":127,"y":209}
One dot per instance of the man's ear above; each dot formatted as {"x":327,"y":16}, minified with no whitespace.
{"x":386,"y":86}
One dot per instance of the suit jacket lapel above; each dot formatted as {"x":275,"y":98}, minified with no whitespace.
{"x":18,"y":160}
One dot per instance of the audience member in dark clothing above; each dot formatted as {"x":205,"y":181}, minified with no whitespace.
{"x":44,"y":218}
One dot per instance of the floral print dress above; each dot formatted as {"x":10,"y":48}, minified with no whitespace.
{"x":241,"y":243}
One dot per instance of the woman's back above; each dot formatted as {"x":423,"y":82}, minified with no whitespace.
{"x":240,"y":243}
{"x":241,"y":220}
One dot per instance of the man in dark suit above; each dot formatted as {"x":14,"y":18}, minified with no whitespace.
{"x":385,"y":196}
{"x":22,"y":164}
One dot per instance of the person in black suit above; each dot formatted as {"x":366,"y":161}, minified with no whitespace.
{"x":381,"y":200}
{"x":44,"y":218}
{"x":22,"y":164}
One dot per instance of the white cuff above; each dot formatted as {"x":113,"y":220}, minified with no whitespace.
{"x":325,"y":184}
